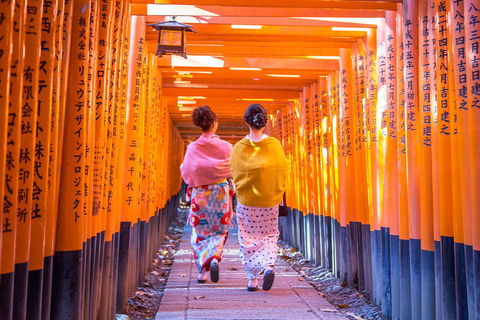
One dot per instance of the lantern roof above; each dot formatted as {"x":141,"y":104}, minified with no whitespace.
{"x":171,"y":24}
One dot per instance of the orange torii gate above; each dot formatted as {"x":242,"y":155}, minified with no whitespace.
{"x":384,"y":155}
{"x":417,"y":120}
{"x":74,"y":56}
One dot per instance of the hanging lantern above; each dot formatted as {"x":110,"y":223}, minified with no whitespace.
{"x":171,"y":37}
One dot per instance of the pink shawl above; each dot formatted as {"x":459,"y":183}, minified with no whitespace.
{"x":206,"y":161}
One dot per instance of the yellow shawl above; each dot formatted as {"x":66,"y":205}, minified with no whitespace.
{"x":259,"y":170}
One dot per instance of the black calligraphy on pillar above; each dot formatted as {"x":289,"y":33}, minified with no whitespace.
{"x":389,"y":118}
{"x":372,"y":91}
{"x":425,"y":80}
{"x":474,"y":53}
{"x":346,"y":134}
{"x":410,"y":75}
{"x":444,"y":118}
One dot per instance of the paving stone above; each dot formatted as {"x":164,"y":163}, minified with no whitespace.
{"x":289,"y":298}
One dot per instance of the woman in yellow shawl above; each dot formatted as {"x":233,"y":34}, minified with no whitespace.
{"x":259,"y":170}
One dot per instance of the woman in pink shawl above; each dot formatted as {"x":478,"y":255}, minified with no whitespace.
{"x":206,"y":170}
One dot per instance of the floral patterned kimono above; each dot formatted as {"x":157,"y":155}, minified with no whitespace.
{"x":210,"y":215}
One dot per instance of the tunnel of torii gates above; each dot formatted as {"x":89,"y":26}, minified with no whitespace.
{"x":375,"y":102}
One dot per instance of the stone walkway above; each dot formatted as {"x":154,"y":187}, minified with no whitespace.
{"x":290,"y":297}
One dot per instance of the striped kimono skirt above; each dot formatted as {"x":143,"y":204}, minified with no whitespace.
{"x":258,"y":236}
{"x":209,"y":214}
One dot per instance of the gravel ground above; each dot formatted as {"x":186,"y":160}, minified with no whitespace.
{"x":347,"y":300}
{"x":146,"y":300}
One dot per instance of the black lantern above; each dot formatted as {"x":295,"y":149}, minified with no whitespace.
{"x":171,"y":37}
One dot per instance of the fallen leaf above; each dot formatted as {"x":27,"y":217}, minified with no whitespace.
{"x":343,"y":305}
{"x":184,"y":275}
{"x":344,"y":284}
{"x":301,"y":279}
{"x":233,"y":269}
{"x":199,"y":297}
{"x":155,"y":273}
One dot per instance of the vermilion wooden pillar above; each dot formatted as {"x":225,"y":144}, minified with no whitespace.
{"x":7,"y":9}
{"x":28,"y":149}
{"x":42,"y":161}
{"x":472,"y":15}
{"x":426,"y":99}
{"x":71,"y":220}
{"x":12,"y":161}
{"x":130,"y":190}
{"x":460,"y":162}
{"x":389,"y":127}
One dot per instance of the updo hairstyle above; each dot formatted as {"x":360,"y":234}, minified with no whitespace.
{"x":256,"y":116}
{"x":204,"y":117}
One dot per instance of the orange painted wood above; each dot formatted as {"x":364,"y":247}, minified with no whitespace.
{"x":332,"y":145}
{"x":63,"y":27}
{"x":389,"y":128}
{"x":460,"y":145}
{"x":143,"y":151}
{"x":300,"y":4}
{"x":299,"y":148}
{"x":305,"y":140}
{"x":12,"y":161}
{"x":155,"y":98}
{"x":40,"y":212}
{"x":433,"y":107}
{"x":378,"y":141}
{"x":425,"y":99}
{"x":292,"y":124}
{"x":401,"y":133}
{"x":27,"y":190}
{"x":474,"y":117}
{"x":114,"y":119}
{"x":270,"y":63}
{"x":152,"y":131}
{"x":6,"y":27}
{"x":371,"y":127}
{"x":410,"y":43}
{"x":122,"y":111}
{"x":443,"y":127}
{"x":348,"y":147}
{"x":339,"y":156}
{"x":319,"y":160}
{"x":361,"y":200}
{"x":100,"y":89}
{"x":247,"y":11}
{"x":381,"y":118}
{"x":71,"y":221}
{"x":243,"y":19}
{"x":91,"y":212}
{"x":318,"y":168}
{"x":130,"y":200}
